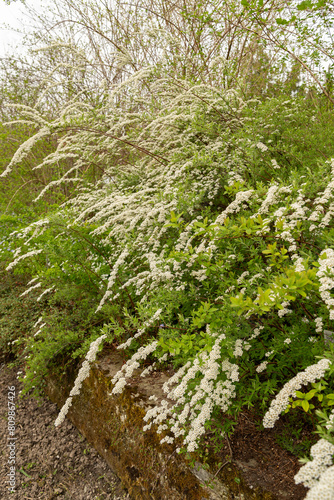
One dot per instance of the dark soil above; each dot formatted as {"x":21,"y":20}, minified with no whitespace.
{"x":51,"y":463}
{"x":264,"y":464}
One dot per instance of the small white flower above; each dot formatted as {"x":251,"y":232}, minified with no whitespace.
{"x":262,"y":146}
{"x":262,"y":367}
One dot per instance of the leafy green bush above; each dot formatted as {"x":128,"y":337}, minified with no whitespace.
{"x":221,"y":249}
{"x":17,"y":315}
{"x":198,"y":227}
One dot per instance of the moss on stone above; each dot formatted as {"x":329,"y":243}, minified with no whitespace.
{"x":148,"y":469}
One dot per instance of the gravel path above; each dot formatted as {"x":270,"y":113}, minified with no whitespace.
{"x":50,"y":463}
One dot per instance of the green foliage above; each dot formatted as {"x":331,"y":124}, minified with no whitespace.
{"x":296,"y":434}
{"x":200,"y":200}
{"x":79,"y":257}
{"x":17,"y":316}
{"x":303,"y":399}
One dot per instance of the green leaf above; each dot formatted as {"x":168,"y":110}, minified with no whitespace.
{"x":310,"y":394}
{"x":24,"y":472}
{"x":305,"y":405}
{"x":279,"y":20}
{"x":306,"y":4}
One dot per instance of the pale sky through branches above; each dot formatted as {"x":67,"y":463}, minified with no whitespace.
{"x":13,"y":17}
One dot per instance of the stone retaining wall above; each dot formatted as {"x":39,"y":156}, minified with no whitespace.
{"x":113,"y":425}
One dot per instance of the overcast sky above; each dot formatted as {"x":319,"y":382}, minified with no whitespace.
{"x":14,"y":15}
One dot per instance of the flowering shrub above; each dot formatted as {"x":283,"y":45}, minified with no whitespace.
{"x":235,"y":269}
{"x":203,"y":243}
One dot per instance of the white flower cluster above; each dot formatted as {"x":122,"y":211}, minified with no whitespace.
{"x":262,"y":147}
{"x":324,"y":489}
{"x":319,"y":325}
{"x":32,"y":281}
{"x":281,"y":402}
{"x":239,"y":347}
{"x":299,"y":266}
{"x":309,"y":475}
{"x":269,"y":200}
{"x":325,"y":274}
{"x":150,"y":368}
{"x":242,"y":277}
{"x":130,"y":366}
{"x":318,"y":474}
{"x":330,"y":422}
{"x":328,"y":216}
{"x":31,"y":288}
{"x":112,"y":277}
{"x":207,"y":394}
{"x":256,"y":332}
{"x":299,"y":209}
{"x":63,"y":179}
{"x":38,"y":321}
{"x":24,"y":149}
{"x":40,"y":329}
{"x":322,"y":200}
{"x":235,"y":206}
{"x":287,"y":236}
{"x":273,"y":197}
{"x":142,"y":330}
{"x":48,"y":290}
{"x":262,"y":367}
{"x":285,"y":310}
{"x":25,"y":256}
{"x":254,"y":278}
{"x":82,"y":375}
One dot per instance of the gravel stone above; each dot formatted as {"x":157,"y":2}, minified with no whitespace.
{"x":51,"y":463}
